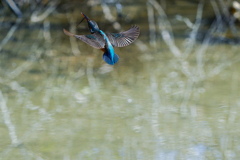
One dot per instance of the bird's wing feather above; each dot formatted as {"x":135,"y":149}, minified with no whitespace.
{"x":123,"y":39}
{"x":95,"y":40}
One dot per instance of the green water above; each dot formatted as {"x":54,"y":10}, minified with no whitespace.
{"x":60,"y":100}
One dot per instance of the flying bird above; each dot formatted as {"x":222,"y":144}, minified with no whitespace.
{"x":106,"y":41}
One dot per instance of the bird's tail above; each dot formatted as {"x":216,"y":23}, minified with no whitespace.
{"x":108,"y":60}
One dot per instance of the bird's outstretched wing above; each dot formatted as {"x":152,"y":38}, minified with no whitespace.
{"x":123,"y":39}
{"x":95,"y":40}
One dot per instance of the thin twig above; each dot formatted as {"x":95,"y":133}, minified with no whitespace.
{"x":109,"y":17}
{"x":19,"y":70}
{"x":10,"y":33}
{"x":193,"y":34}
{"x":7,"y":120}
{"x":166,"y":29}
{"x":36,"y":18}
{"x":185,"y":20}
{"x":231,"y":24}
{"x":46,"y":31}
{"x":152,"y":28}
{"x":14,"y":7}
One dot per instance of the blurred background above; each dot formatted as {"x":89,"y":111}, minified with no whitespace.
{"x":174,"y":93}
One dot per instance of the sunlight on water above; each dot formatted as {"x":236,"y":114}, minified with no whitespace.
{"x":173,"y":94}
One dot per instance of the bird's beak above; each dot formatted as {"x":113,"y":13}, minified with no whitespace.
{"x":85,"y":17}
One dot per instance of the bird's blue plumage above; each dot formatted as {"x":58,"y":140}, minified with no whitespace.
{"x":92,"y":25}
{"x":116,"y":35}
{"x":90,"y":37}
{"x":109,"y":56}
{"x":107,"y":59}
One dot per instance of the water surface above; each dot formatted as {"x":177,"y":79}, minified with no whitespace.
{"x":168,"y":97}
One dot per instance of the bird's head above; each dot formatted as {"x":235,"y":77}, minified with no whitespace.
{"x":92,"y":25}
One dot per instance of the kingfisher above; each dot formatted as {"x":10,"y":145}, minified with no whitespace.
{"x":106,"y":41}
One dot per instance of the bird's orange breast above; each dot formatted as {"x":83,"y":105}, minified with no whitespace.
{"x":103,"y":49}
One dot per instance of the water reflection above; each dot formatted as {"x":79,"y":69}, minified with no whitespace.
{"x":168,"y":97}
